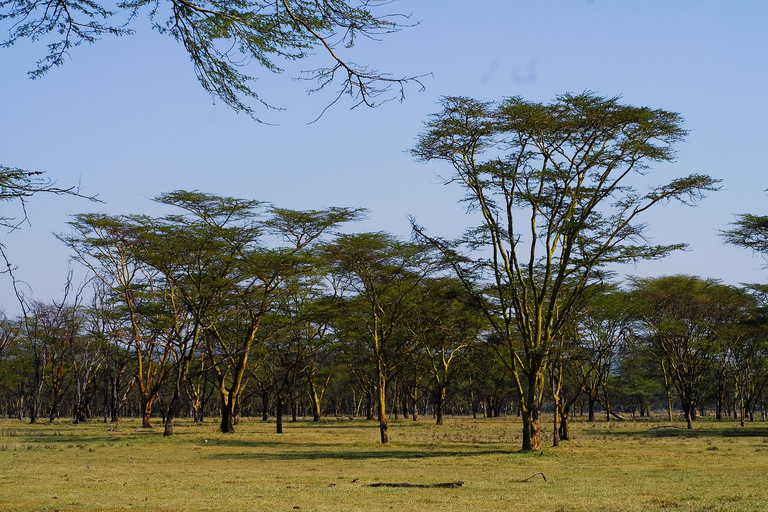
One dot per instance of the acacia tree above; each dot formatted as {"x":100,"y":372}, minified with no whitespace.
{"x":385,"y":276}
{"x":555,"y":187}
{"x":222,"y":37}
{"x":446,"y":322}
{"x":106,"y":245}
{"x":603,"y":328}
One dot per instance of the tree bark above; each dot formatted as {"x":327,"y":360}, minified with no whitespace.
{"x":315,"y":401}
{"x":440,"y":405}
{"x":279,"y":413}
{"x":227,"y":425}
{"x":531,"y":430}
{"x":146,"y":411}
{"x":383,"y":421}
{"x":264,"y":405}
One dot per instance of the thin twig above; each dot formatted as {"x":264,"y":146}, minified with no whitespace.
{"x":533,"y":475}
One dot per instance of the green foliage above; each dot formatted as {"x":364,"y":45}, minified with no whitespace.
{"x":221,"y":37}
{"x":750,"y":231}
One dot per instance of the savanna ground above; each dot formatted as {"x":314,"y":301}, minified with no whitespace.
{"x":631,"y":466}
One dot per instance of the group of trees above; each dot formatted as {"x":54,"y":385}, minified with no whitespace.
{"x":233,"y":295}
{"x":358,"y":325}
{"x":226,"y":300}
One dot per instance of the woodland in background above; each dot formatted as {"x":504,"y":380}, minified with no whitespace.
{"x":205,"y":315}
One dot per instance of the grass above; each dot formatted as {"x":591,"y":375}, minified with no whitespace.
{"x":618,"y":466}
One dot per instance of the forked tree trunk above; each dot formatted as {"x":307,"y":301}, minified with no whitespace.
{"x":414,"y":399}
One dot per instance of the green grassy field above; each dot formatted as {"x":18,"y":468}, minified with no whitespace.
{"x":330,"y":466}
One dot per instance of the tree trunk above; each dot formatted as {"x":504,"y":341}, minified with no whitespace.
{"x":315,"y":401}
{"x":668,"y":386}
{"x":369,"y":406}
{"x":173,"y":410}
{"x":383,"y":421}
{"x":440,"y":405}
{"x":264,"y":405}
{"x":565,"y":434}
{"x":742,"y":411}
{"x":531,"y":429}
{"x":146,"y":411}
{"x":227,"y":414}
{"x":279,"y":413}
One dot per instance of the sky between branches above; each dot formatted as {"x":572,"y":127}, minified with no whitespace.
{"x":127,"y":120}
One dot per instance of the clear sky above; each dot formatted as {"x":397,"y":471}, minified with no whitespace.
{"x":126,"y":119}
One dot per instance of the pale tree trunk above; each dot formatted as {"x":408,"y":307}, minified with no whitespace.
{"x":531,"y":430}
{"x":315,"y":401}
{"x":668,"y":386}
{"x":383,"y":421}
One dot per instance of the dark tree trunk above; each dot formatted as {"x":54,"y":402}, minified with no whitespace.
{"x":563,"y":428}
{"x":369,"y":407}
{"x":439,"y":405}
{"x":531,"y":430}
{"x":279,"y":413}
{"x":264,"y":405}
{"x":227,"y":416}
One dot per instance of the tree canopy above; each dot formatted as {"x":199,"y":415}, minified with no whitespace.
{"x":556,"y":187}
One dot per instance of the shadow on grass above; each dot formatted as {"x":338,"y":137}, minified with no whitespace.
{"x":666,"y":431}
{"x":280,"y":451}
{"x":707,"y":432}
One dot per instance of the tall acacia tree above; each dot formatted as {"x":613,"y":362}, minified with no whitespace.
{"x":556,"y":186}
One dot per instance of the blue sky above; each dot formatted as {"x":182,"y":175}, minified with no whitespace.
{"x":127,"y":120}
